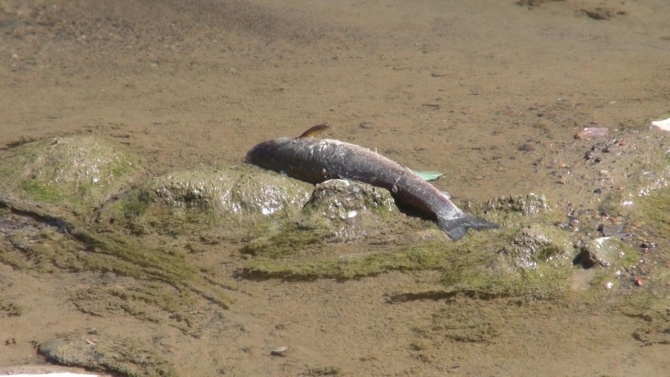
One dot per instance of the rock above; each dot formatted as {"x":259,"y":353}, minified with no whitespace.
{"x":537,"y":244}
{"x":76,"y":172}
{"x":527,"y":147}
{"x":338,"y":211}
{"x":198,"y":188}
{"x":237,"y":191}
{"x":350,"y":210}
{"x":605,"y":252}
{"x":266,"y":193}
{"x":115,"y":355}
{"x":280,"y":351}
{"x":343,"y":199}
{"x":207,"y":197}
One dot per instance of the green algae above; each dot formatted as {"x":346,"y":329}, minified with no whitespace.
{"x":133,"y":300}
{"x":536,"y":243}
{"x":424,"y":257}
{"x":649,"y":305}
{"x":42,"y":192}
{"x":346,"y":267}
{"x":122,"y":256}
{"x":489,"y":264}
{"x":611,"y":205}
{"x":283,"y":238}
{"x":545,"y":282}
{"x":81,"y":248}
{"x":527,"y":205}
{"x":655,"y":211}
{"x":332,"y":261}
{"x":146,"y":300}
{"x":139,"y":214}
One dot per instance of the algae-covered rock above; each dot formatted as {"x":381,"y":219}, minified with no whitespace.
{"x":198,"y":188}
{"x":342,"y":199}
{"x":338,"y":211}
{"x":535,"y":244}
{"x":607,"y":252}
{"x":178,"y":202}
{"x":125,"y":356}
{"x":259,"y":192}
{"x":516,"y":212}
{"x":350,"y":209}
{"x":76,"y":172}
{"x":232,"y":191}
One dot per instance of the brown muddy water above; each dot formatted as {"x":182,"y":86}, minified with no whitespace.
{"x":489,"y":92}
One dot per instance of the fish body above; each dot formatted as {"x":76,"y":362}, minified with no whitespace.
{"x":317,"y":160}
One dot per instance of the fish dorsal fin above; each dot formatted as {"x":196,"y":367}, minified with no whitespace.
{"x":314,"y":130}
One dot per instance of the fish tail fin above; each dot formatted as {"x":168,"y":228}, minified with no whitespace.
{"x":457,"y":227}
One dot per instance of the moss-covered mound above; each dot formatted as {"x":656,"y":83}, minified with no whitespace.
{"x":197,"y":200}
{"x":78,"y":173}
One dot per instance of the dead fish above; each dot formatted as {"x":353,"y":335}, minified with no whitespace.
{"x":317,"y":160}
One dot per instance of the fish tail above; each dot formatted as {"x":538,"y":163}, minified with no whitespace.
{"x":457,"y":227}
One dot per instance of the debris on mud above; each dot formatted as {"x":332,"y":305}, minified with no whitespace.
{"x":589,"y":132}
{"x":533,"y":3}
{"x":602,"y":13}
{"x":10,"y":309}
{"x":322,"y":371}
{"x":279,"y":351}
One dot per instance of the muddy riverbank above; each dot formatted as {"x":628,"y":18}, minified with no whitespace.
{"x":132,"y":263}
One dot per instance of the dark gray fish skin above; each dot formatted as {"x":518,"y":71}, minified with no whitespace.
{"x":318,"y":160}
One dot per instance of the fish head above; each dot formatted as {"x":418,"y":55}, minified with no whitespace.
{"x":263,"y":154}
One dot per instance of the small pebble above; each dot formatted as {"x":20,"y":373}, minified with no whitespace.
{"x":280,"y":351}
{"x":527,"y":148}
